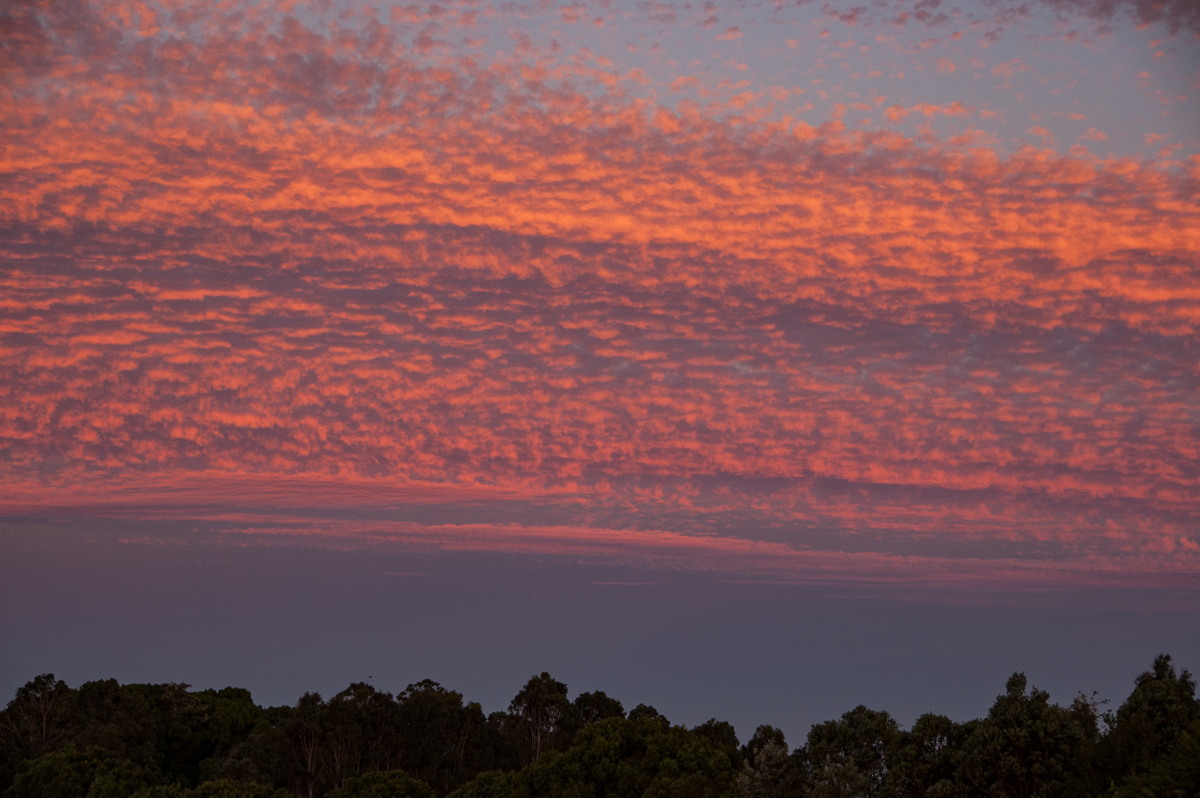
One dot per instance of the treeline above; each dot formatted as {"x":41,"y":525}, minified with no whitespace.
{"x":108,"y":740}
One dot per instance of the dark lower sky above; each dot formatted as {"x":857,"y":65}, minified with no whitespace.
{"x":283,"y":620}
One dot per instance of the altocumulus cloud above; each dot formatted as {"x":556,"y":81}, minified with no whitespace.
{"x":524,"y":298}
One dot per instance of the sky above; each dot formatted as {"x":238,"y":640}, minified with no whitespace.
{"x":747,"y":359}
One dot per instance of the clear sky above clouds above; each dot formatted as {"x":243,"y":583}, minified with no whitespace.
{"x":620,"y":313}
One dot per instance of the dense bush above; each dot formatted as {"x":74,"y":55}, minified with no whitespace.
{"x":107,"y":740}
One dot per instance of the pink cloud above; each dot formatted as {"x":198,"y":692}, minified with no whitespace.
{"x":296,"y":266}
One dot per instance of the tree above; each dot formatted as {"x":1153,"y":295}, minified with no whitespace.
{"x":1174,"y":775}
{"x":1147,"y":726}
{"x":679,"y":763}
{"x":924,"y":760}
{"x":71,"y":773}
{"x":107,"y":740}
{"x":231,"y":717}
{"x":117,"y":718}
{"x":687,"y":765}
{"x":33,"y":723}
{"x":763,"y":737}
{"x":489,"y":784}
{"x":1029,"y":748}
{"x":595,"y":707}
{"x":223,"y":788}
{"x":182,"y":730}
{"x":850,"y":756}
{"x":383,"y":784}
{"x":721,"y":734}
{"x":542,"y":713}
{"x":643,"y":713}
{"x":264,"y":756}
{"x":304,"y":727}
{"x":360,"y":727}
{"x":769,"y":771}
{"x":440,"y":738}
{"x":627,"y":758}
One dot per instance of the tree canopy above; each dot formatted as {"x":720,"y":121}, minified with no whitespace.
{"x":105,"y":739}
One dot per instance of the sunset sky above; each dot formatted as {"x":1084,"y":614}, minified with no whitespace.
{"x":756,"y":359}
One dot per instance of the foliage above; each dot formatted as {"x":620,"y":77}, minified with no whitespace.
{"x":618,"y":757}
{"x":441,"y":740}
{"x":233,"y":789}
{"x":1157,"y":713}
{"x":383,"y":784}
{"x":1027,"y":747}
{"x":541,"y":715}
{"x":595,"y":707}
{"x":1176,"y":774}
{"x":71,"y":773}
{"x":489,"y":784}
{"x":768,"y":770}
{"x":924,"y":761}
{"x":108,"y":740}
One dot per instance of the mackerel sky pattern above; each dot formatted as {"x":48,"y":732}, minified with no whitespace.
{"x":905,"y":292}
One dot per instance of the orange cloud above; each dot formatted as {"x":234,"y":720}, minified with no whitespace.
{"x":341,"y":260}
